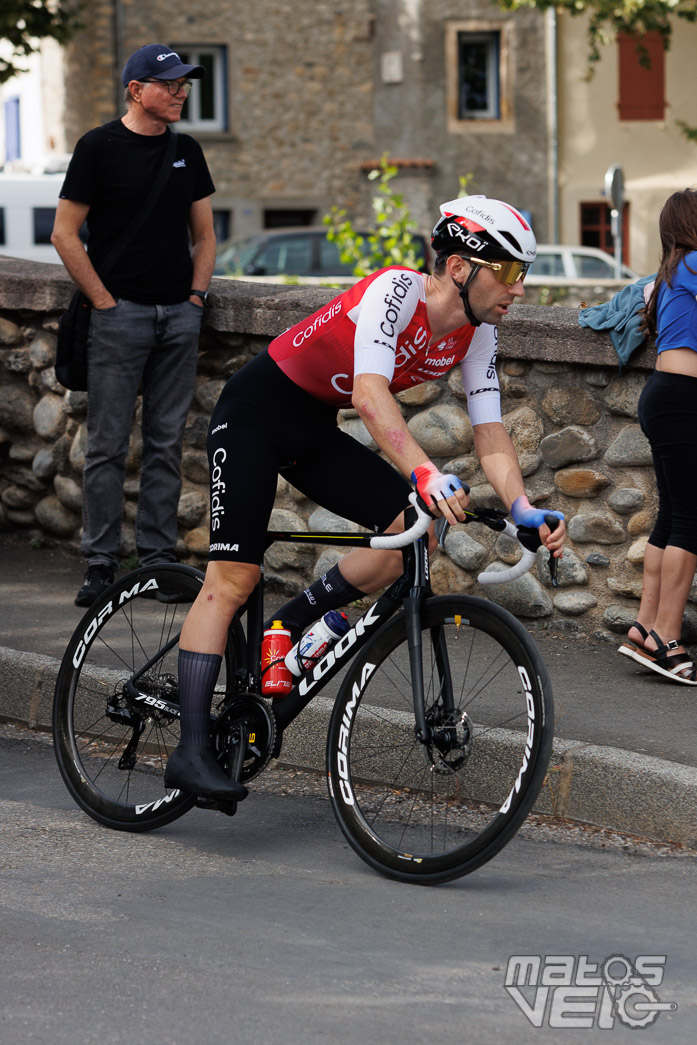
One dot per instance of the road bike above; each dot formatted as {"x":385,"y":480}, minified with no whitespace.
{"x":440,"y":719}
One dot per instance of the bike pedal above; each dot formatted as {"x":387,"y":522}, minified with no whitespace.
{"x":229,"y":808}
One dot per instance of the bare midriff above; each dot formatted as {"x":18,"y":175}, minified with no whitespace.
{"x":678,"y":361}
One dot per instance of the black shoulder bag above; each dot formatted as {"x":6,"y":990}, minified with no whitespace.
{"x":74,"y":325}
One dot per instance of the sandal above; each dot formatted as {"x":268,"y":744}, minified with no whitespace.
{"x":678,"y":667}
{"x":638,"y":653}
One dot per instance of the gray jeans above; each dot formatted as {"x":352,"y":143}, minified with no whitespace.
{"x":154,"y":348}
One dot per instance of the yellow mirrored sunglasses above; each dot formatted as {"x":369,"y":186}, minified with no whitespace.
{"x":507,"y":272}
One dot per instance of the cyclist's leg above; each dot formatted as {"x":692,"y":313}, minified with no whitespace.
{"x":355,"y":483}
{"x":193,"y":766}
{"x":238,"y":527}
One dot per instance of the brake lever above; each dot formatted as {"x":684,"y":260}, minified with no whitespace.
{"x":552,"y":521}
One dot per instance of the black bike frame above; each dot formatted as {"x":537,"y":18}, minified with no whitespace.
{"x":408,"y":591}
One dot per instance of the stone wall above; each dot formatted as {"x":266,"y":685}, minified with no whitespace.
{"x":570,"y":412}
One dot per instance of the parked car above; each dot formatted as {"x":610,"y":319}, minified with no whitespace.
{"x":557,"y":265}
{"x":303,"y":252}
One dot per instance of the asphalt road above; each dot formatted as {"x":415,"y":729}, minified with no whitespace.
{"x":267,"y":930}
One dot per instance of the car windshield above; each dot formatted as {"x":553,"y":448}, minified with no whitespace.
{"x":548,"y":264}
{"x":233,"y":258}
{"x":593,"y":267}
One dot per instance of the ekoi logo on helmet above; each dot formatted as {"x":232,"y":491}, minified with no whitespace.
{"x":462,"y":230}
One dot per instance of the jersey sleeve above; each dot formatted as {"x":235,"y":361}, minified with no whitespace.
{"x":80,"y":183}
{"x":385,"y":312}
{"x":203,"y":186}
{"x":479,"y":378}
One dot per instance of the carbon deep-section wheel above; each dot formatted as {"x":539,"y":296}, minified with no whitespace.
{"x":116,"y":710}
{"x":430,"y":810}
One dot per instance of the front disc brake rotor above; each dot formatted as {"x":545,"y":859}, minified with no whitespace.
{"x":451,"y":742}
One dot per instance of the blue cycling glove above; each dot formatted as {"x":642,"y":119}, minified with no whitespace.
{"x":524,"y":514}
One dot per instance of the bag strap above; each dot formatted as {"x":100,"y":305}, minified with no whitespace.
{"x":156,"y":188}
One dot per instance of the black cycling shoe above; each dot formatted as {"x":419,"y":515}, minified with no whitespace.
{"x":97,"y":579}
{"x":196,"y":770}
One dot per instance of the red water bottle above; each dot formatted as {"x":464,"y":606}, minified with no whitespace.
{"x":276,"y":679}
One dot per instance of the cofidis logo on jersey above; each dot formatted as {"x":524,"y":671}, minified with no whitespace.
{"x":394,"y":300}
{"x":218,"y":487}
{"x":320,"y":319}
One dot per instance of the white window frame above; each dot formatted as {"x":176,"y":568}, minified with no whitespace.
{"x":487,"y":122}
{"x":194,"y":122}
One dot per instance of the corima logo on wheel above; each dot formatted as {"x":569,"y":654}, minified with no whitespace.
{"x":345,"y":732}
{"x":528,"y":740}
{"x":106,"y":611}
{"x":152,"y":807}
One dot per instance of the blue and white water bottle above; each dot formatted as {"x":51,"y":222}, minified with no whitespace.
{"x":316,"y":642}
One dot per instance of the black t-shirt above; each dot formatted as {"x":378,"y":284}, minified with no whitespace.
{"x":112,"y":169}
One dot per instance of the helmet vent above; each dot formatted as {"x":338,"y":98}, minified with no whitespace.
{"x":511,"y":239}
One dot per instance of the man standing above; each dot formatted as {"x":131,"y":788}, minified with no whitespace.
{"x":146,"y":311}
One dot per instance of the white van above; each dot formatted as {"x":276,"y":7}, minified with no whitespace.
{"x":27,"y":210}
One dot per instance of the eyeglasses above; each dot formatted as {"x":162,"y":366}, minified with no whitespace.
{"x":173,"y":86}
{"x":508,"y":272}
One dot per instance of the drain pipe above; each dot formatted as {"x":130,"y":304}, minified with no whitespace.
{"x":552,"y":125}
{"x":119,"y":55}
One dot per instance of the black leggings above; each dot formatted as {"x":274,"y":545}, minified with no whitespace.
{"x":263,"y":425}
{"x":668,"y":419}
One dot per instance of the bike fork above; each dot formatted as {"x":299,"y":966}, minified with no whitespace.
{"x":412,"y":616}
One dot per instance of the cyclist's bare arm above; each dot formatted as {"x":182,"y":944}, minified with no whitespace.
{"x":499,"y":461}
{"x":381,"y":415}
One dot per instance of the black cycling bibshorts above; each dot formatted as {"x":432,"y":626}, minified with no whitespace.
{"x":265,"y":425}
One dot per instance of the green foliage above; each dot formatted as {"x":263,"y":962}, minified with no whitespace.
{"x":390,"y":242}
{"x":24,"y":23}
{"x":466,"y":185}
{"x":689,"y":132}
{"x":610,"y":17}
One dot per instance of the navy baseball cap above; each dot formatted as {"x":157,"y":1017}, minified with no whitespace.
{"x":157,"y":62}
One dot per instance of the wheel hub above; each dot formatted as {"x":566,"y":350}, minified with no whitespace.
{"x":451,"y":740}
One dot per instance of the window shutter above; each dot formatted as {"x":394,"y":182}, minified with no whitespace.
{"x":642,"y":89}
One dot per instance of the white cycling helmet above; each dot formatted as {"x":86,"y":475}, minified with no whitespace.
{"x":486,"y":228}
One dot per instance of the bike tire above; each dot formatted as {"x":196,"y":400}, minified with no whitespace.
{"x":429,"y":815}
{"x":95,"y":718}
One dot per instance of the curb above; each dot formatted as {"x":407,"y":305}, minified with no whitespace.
{"x":590,"y":783}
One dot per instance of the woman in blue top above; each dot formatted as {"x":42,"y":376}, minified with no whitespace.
{"x":668,"y":418}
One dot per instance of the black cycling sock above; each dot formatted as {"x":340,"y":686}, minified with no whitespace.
{"x":331,"y":591}
{"x":198,"y":673}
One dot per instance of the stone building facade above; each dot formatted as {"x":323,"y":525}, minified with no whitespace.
{"x":570,"y":412}
{"x":312,"y":95}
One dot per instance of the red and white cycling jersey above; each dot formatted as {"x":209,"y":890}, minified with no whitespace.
{"x":380,"y":326}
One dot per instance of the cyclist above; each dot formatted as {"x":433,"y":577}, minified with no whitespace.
{"x":390,"y":331}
